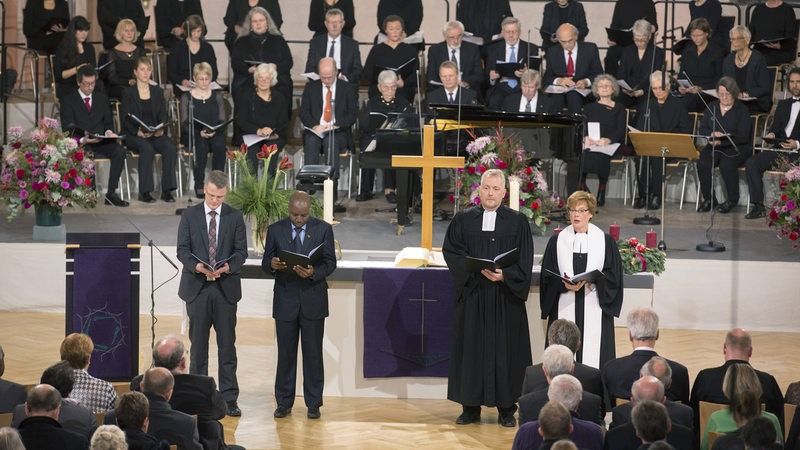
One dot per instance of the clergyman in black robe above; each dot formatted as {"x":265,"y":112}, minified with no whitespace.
{"x":490,"y":343}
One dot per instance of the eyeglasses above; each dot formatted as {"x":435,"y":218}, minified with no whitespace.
{"x":88,"y":83}
{"x":578,"y":211}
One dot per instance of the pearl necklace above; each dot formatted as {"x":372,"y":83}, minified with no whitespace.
{"x":741,"y":62}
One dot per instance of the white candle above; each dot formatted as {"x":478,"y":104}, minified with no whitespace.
{"x":327,"y":203}
{"x":513,"y":195}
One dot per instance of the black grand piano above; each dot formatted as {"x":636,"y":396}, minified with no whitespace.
{"x":544,"y":136}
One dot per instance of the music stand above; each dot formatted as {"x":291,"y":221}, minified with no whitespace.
{"x":662,"y":145}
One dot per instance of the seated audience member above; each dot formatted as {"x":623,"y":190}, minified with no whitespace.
{"x":72,"y":53}
{"x":566,"y":333}
{"x":666,"y":115}
{"x":783,"y":128}
{"x":619,"y":374}
{"x":701,"y":65}
{"x":554,"y":424}
{"x":10,"y":439}
{"x":659,"y":368}
{"x":793,"y":393}
{"x":338,"y":46}
{"x":392,"y":54}
{"x":558,"y":360}
{"x":237,"y":11}
{"x":119,"y":74}
{"x":483,"y":18}
{"x":147,"y":103}
{"x":574,"y":67}
{"x":111,"y":12}
{"x":708,"y":385}
{"x":409,"y":10}
{"x":451,"y":92}
{"x":108,"y":437}
{"x":370,"y":120}
{"x":563,"y":444}
{"x":611,"y":117}
{"x":511,"y":49}
{"x":648,"y":387}
{"x":530,"y":97}
{"x":329,"y":109}
{"x":466,"y":56}
{"x":40,"y":429}
{"x":93,"y":393}
{"x":318,"y":15}
{"x":170,"y":17}
{"x":131,"y":415}
{"x":557,"y":13}
{"x":774,"y":28}
{"x":728,"y":116}
{"x":44,"y":24}
{"x":637,"y":61}
{"x":649,"y":423}
{"x":711,"y":12}
{"x":626,"y":12}
{"x":759,"y":434}
{"x":209,"y":107}
{"x":261,"y":111}
{"x":749,"y":68}
{"x":96,"y":121}
{"x":743,"y":391}
{"x":73,"y":416}
{"x":567,"y":391}
{"x":187,"y":53}
{"x":11,"y":394}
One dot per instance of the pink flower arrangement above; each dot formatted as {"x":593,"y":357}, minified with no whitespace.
{"x":784,"y":216}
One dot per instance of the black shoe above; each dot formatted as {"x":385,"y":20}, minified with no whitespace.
{"x":391,"y":197}
{"x":507,"y":421}
{"x":705,"y":206}
{"x":601,"y":197}
{"x":313,"y":413}
{"x":726,"y":207}
{"x":167,"y":197}
{"x":467,"y":418}
{"x":757,"y":212}
{"x":233,"y":409}
{"x":655,"y":203}
{"x":113,"y":199}
{"x":339,"y":208}
{"x":146,"y":197}
{"x":281,"y":412}
{"x":200,"y":193}
{"x":639,"y":203}
{"x":364,"y":197}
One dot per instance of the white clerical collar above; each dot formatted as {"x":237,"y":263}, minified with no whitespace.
{"x":581,"y":243}
{"x":489,"y":218}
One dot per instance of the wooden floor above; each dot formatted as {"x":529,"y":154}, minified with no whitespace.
{"x":31,"y":342}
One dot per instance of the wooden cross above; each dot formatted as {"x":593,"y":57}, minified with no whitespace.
{"x":427,"y":162}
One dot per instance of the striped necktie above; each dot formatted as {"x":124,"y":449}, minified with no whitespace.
{"x":212,"y":238}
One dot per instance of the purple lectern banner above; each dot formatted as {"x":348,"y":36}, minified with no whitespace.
{"x":408,"y":316}
{"x":102,"y":308}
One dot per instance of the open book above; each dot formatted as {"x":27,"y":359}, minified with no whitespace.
{"x":321,"y":135}
{"x":148,"y":128}
{"x":403,"y":70}
{"x":213,"y":86}
{"x":251,"y":139}
{"x":213,"y":128}
{"x":298,"y":259}
{"x":498,"y":262}
{"x":713,"y":93}
{"x":412,"y":257}
{"x":588,"y":276}
{"x":103,"y":137}
{"x":208,"y":265}
{"x":555,"y":89}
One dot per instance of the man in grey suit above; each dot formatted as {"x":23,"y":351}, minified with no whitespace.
{"x":300,"y":301}
{"x":341,"y":48}
{"x":212,"y":246}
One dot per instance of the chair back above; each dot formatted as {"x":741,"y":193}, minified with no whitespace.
{"x":5,"y":419}
{"x":713,"y":436}
{"x":789,"y":411}
{"x":706,"y":409}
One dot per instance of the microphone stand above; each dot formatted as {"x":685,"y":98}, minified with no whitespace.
{"x":191,"y":127}
{"x":331,"y":148}
{"x":647,"y":219}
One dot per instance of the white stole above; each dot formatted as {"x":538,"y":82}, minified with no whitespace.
{"x":592,"y":314}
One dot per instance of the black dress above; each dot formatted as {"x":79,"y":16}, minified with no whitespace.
{"x":483,"y":17}
{"x":612,"y":126}
{"x":753,"y":78}
{"x":368,"y":123}
{"x":409,"y":10}
{"x":704,"y":70}
{"x":737,"y":122}
{"x":212,"y":112}
{"x":237,"y":11}
{"x":626,"y":12}
{"x":711,"y":10}
{"x":110,"y":12}
{"x":61,"y":63}
{"x":267,"y":48}
{"x":37,"y":22}
{"x":120,"y":72}
{"x":179,"y":62}
{"x":774,"y":23}
{"x":554,"y":15}
{"x":382,"y":56}
{"x":316,"y":16}
{"x":635,"y":71}
{"x":171,"y":14}
{"x":252,"y":113}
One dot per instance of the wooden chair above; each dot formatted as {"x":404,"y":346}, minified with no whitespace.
{"x":99,"y":418}
{"x":713,"y":436}
{"x":5,"y":419}
{"x":621,"y":401}
{"x":173,"y":447}
{"x":706,"y":409}
{"x":788,"y":416}
{"x":689,"y":164}
{"x":121,"y":387}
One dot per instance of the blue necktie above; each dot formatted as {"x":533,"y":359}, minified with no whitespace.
{"x":512,"y":83}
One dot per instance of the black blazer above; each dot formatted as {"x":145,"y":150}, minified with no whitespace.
{"x":497,"y":52}
{"x":588,"y":376}
{"x":43,"y":432}
{"x":193,"y":238}
{"x":294,"y":296}
{"x":587,"y":63}
{"x":624,"y":438}
{"x":469,"y":63}
{"x":167,"y":424}
{"x":511,"y":104}
{"x":76,"y":120}
{"x":11,"y":395}
{"x":351,"y":56}
{"x":171,"y":14}
{"x":619,"y":375}
{"x":316,"y":16}
{"x":110,"y":12}
{"x":237,"y":11}
{"x":60,"y":63}
{"x":758,"y":83}
{"x":345,"y":108}
{"x":463,"y":96}
{"x":590,"y":408}
{"x":131,"y":104}
{"x":783,"y":113}
{"x":268,"y":48}
{"x":73,"y":417}
{"x":550,"y":21}
{"x":678,"y":413}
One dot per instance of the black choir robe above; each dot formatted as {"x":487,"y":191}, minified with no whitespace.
{"x":490,"y":340}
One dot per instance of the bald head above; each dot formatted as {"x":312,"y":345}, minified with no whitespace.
{"x":647,"y":388}
{"x":170,"y":354}
{"x":300,"y":198}
{"x":659,"y":368}
{"x":327,"y":71}
{"x":43,"y":400}
{"x":738,"y":345}
{"x":158,"y":381}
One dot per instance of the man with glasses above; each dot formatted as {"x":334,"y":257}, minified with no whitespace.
{"x":466,"y":56}
{"x":86,"y":114}
{"x":338,"y":46}
{"x":573,"y":68}
{"x":511,"y":49}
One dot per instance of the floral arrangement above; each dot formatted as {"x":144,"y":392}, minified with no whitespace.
{"x":507,"y":154}
{"x":636,"y":257}
{"x":47,"y":168}
{"x":785,"y":213}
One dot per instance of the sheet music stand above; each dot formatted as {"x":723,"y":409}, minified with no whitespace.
{"x":662,"y":145}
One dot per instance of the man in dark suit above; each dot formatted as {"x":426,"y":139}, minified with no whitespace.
{"x":530,"y":98}
{"x":783,"y":128}
{"x":619,"y":374}
{"x":650,"y":423}
{"x":451,"y":92}
{"x":510,"y":49}
{"x":328,"y":110}
{"x":131,"y":416}
{"x":337,"y":46}
{"x":11,"y":394}
{"x":213,"y":233}
{"x":466,"y":56}
{"x":173,"y":426}
{"x":554,"y":424}
{"x":575,"y":66}
{"x":41,"y":429}
{"x":85,"y":112}
{"x":738,"y":349}
{"x":651,"y":388}
{"x":300,"y":301}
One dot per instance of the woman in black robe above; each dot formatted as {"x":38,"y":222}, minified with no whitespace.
{"x":44,"y":27}
{"x":559,"y":12}
{"x":319,"y":8}
{"x":637,"y":63}
{"x":483,"y":18}
{"x":73,"y":52}
{"x":119,"y":75}
{"x":749,"y":68}
{"x":583,"y":247}
{"x":392,"y":54}
{"x":237,"y":11}
{"x":701,"y":65}
{"x":190,"y":51}
{"x":774,"y":21}
{"x":409,"y":10}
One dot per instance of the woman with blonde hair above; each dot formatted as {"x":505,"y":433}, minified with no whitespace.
{"x":119,"y":75}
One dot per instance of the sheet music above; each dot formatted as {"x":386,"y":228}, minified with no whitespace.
{"x":553,"y":89}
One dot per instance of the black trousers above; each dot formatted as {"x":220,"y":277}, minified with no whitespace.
{"x":754,"y":169}
{"x":147,"y":149}
{"x":202,"y":147}
{"x":728,"y":161}
{"x":116,"y":154}
{"x":309,"y":333}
